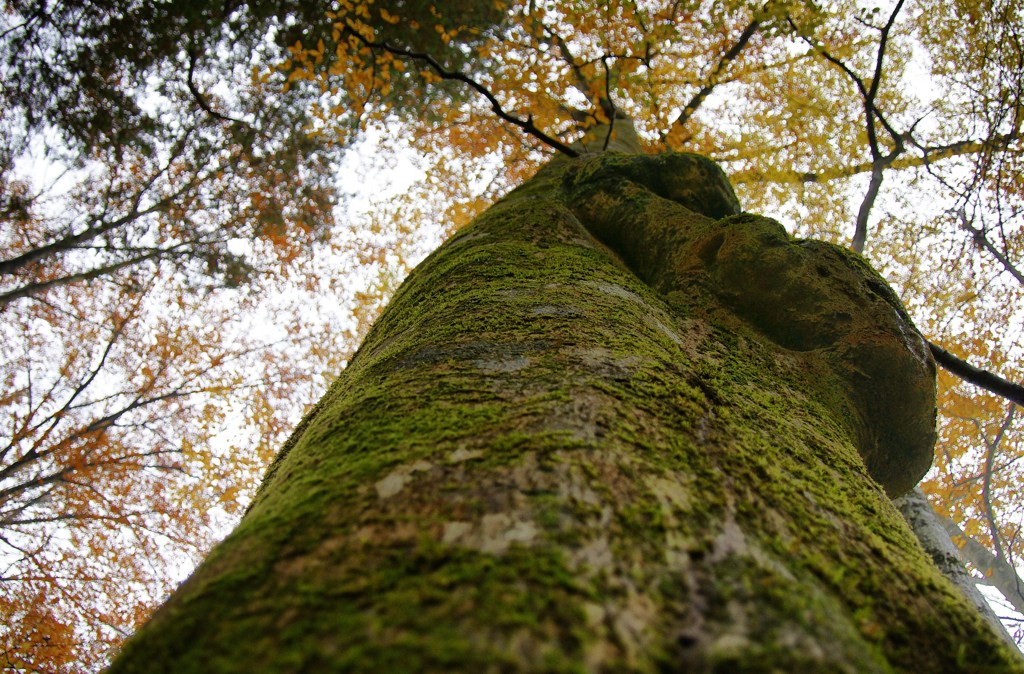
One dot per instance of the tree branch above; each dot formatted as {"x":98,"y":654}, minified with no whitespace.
{"x":978,"y":234}
{"x":986,"y":489}
{"x":30,"y":289}
{"x":929,"y":155}
{"x":934,"y":536}
{"x":193,"y":58}
{"x":98,"y":226}
{"x":879,"y":162}
{"x":983,"y":378}
{"x":860,"y":232}
{"x":526,"y":125}
{"x":611,"y":111}
{"x":712,"y":81}
{"x":567,"y":56}
{"x":869,"y":100}
{"x":997,"y":572}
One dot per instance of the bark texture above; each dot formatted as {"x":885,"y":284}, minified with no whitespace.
{"x":612,"y":426}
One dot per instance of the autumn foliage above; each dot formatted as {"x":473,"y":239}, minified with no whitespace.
{"x":189,"y":251}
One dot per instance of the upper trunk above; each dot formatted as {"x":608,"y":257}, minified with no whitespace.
{"x":549,"y":456}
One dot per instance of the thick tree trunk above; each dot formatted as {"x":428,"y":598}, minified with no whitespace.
{"x":612,"y":426}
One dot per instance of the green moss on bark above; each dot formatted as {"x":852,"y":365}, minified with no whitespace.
{"x":546,"y":458}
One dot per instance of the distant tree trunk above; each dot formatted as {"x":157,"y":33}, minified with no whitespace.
{"x":938,"y":543}
{"x":612,"y":426}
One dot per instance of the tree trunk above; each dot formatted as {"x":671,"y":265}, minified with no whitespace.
{"x":937,"y":542}
{"x":612,"y":426}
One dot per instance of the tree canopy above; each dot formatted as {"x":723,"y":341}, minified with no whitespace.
{"x":175,"y":174}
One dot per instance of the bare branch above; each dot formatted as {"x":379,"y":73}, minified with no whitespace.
{"x":713,"y":79}
{"x":871,"y":112}
{"x":879,"y":162}
{"x":567,"y":56}
{"x":997,"y":572}
{"x":30,"y":289}
{"x":193,"y":58}
{"x":876,"y":80}
{"x":974,"y":375}
{"x":929,"y":155}
{"x":10,"y":265}
{"x":526,"y":125}
{"x":992,"y":449}
{"x":868,"y":94}
{"x":611,"y":111}
{"x":978,"y":234}
{"x":97,"y":226}
{"x":860,"y":232}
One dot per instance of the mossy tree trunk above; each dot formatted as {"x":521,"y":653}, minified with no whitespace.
{"x":612,"y":426}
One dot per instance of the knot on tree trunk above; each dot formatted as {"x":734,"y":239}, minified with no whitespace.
{"x":675,"y":221}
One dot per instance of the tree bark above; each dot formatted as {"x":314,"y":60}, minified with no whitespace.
{"x":614,"y":425}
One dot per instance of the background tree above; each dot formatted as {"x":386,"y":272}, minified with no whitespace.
{"x":197,"y":147}
{"x":135,"y":253}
